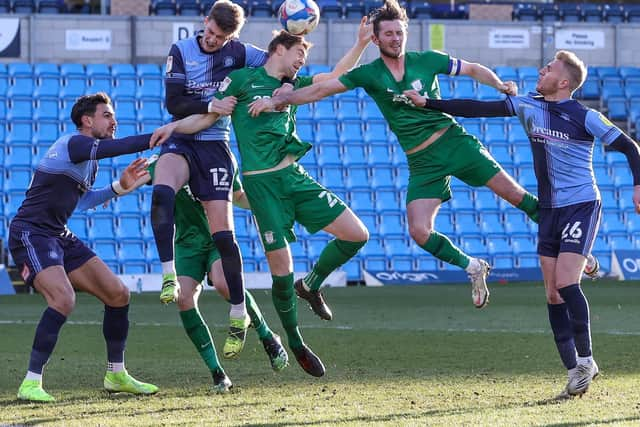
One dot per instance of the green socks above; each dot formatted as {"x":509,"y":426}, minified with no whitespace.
{"x":256,"y":317}
{"x":200,"y":337}
{"x":442,"y":248}
{"x":284,"y":299}
{"x":529,"y":205}
{"x":336,"y":253}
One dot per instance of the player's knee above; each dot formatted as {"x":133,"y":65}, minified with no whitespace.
{"x":553,"y":297}
{"x":118,"y":294}
{"x":362,"y":234}
{"x":186,"y":301}
{"x":225,"y":242}
{"x":162,"y":205}
{"x":63,"y":303}
{"x":420,"y":234}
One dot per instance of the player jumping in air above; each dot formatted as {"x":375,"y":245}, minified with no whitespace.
{"x":279,"y":190}
{"x":436,"y":146}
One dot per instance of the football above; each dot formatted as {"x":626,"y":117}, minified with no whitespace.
{"x":299,"y":17}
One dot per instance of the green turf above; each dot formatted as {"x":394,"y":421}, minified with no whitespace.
{"x":394,"y":356}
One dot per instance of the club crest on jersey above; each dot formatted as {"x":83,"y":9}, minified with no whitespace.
{"x":228,"y":61}
{"x":417,"y":85}
{"x":268,"y":237}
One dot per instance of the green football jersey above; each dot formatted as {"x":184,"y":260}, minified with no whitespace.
{"x":267,"y":139}
{"x":192,"y":227}
{"x":412,"y":125}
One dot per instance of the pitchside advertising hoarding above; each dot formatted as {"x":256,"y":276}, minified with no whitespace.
{"x":10,"y":37}
{"x":626,"y":264}
{"x":498,"y":275}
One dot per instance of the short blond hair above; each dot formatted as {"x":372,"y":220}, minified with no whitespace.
{"x":575,"y":68}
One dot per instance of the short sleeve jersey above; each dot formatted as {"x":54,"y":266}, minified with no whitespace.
{"x":267,"y":139}
{"x":192,"y":227}
{"x":412,"y":125}
{"x":562,"y":139}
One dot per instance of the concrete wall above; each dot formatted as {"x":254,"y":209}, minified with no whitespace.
{"x":147,"y":39}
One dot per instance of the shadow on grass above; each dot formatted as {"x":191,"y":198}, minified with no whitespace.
{"x":597,"y":422}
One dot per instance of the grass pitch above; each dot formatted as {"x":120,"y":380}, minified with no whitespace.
{"x":397,"y":356}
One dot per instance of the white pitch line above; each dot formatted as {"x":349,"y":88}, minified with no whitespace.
{"x":336,"y":327}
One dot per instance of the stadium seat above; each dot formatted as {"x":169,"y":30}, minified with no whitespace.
{"x":106,"y":249}
{"x":357,"y":177}
{"x":375,"y":131}
{"x":464,"y":87}
{"x":131,"y":249}
{"x":24,"y":6}
{"x":189,"y":8}
{"x":420,"y":10}
{"x":18,"y":177}
{"x":591,"y":88}
{"x":50,"y":7}
{"x":355,"y":155}
{"x":324,"y":110}
{"x":78,"y":225}
{"x":102,"y":226}
{"x":328,"y":154}
{"x":617,"y":108}
{"x":613,"y":14}
{"x":18,"y":131}
{"x":382,"y":177}
{"x":525,"y":12}
{"x":164,"y":8}
{"x":351,"y":132}
{"x":370,"y":111}
{"x":326,"y":131}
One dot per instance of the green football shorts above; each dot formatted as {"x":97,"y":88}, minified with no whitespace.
{"x":195,"y":263}
{"x":456,"y":153}
{"x":280,"y":198}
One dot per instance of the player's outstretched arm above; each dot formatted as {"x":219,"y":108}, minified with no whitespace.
{"x":134,"y":176}
{"x":463,"y":107}
{"x":297,"y":97}
{"x":352,"y":57}
{"x":189,"y":125}
{"x":486,"y":76}
{"x":82,"y":148}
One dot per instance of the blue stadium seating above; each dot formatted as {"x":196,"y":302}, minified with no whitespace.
{"x":355,"y":156}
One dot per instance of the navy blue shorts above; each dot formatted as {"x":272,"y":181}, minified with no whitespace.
{"x":33,"y":251}
{"x":211,"y":167}
{"x":570,"y":228}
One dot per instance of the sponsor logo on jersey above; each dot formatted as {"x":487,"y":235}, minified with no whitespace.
{"x":549,"y":132}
